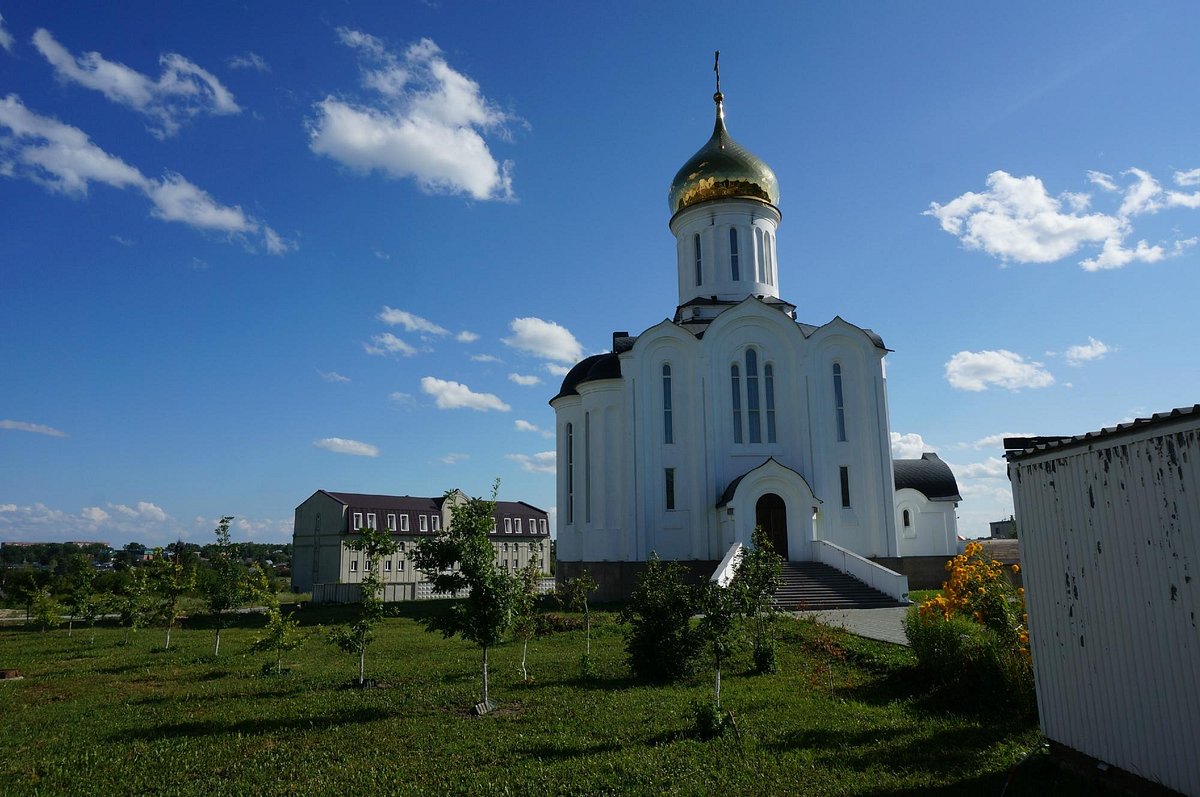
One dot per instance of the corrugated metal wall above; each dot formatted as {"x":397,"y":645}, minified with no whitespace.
{"x":1110,"y":542}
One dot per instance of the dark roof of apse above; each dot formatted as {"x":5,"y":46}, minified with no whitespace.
{"x":928,"y":475}
{"x":1019,"y":447}
{"x":410,"y":503}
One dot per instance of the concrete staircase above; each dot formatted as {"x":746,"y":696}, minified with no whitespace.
{"x":812,"y":586}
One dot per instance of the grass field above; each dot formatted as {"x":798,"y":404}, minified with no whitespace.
{"x":844,"y":716}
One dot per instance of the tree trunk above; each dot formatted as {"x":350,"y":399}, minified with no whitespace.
{"x":587,"y":620}
{"x":217,"y":640}
{"x":485,"y":691}
{"x":167,"y":644}
{"x":92,"y":641}
{"x":70,"y":625}
{"x":524,"y":651}
{"x":127,"y":630}
{"x":717,"y":693}
{"x":362,"y":664}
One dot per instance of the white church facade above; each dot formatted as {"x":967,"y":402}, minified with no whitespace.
{"x":733,"y":414}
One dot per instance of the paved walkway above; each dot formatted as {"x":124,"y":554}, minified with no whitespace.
{"x":886,"y":625}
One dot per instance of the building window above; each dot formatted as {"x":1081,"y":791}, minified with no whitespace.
{"x":371,"y":520}
{"x":668,"y":427}
{"x":391,"y":522}
{"x":424,"y":521}
{"x":437,"y":522}
{"x":400,"y":566}
{"x":587,"y":467}
{"x":845,"y":477}
{"x":907,"y":521}
{"x":542,"y":523}
{"x":734,"y":268}
{"x":839,"y":402}
{"x":404,"y":522}
{"x":353,"y":565}
{"x":769,"y":395}
{"x":570,"y":474}
{"x":507,"y":528}
{"x":736,"y":382}
{"x":670,"y":488}
{"x":769,"y":259}
{"x":752,"y":407}
{"x":387,"y":565}
{"x":357,"y":521}
{"x":699,"y":259}
{"x":520,"y":530}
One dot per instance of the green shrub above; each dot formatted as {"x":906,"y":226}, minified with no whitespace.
{"x":660,"y":643}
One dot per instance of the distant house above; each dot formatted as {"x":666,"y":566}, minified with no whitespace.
{"x":1110,"y":544}
{"x":926,"y":498}
{"x":321,"y":563}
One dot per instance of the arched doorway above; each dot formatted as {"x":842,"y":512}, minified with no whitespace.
{"x":771,"y":513}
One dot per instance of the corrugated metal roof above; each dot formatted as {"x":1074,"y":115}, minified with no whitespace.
{"x":1017,"y":447}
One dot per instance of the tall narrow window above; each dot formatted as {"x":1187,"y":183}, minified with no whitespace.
{"x":507,"y":529}
{"x":699,"y":259}
{"x":839,"y":402}
{"x":760,"y":262}
{"x":570,"y":474}
{"x":371,"y":521}
{"x":736,"y":383}
{"x":769,"y":391}
{"x":734,"y":267}
{"x":587,"y":467}
{"x":437,"y":522}
{"x":769,"y":258}
{"x":753,"y":414}
{"x":669,"y":481}
{"x":845,"y":476}
{"x":391,"y":522}
{"x":357,"y":521}
{"x":424,"y":519}
{"x":668,"y":426}
{"x":907,"y":519}
{"x":404,"y":522}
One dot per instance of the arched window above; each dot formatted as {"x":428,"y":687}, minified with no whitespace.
{"x":839,"y":402}
{"x":668,"y":426}
{"x":769,"y":395}
{"x":907,"y":519}
{"x":699,"y":258}
{"x":760,"y":261}
{"x":769,"y":258}
{"x":733,"y":254}
{"x":753,"y":414}
{"x":570,"y":474}
{"x":736,"y":382}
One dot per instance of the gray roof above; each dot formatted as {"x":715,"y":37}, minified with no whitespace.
{"x":928,"y":475}
{"x":410,"y":503}
{"x":1018,"y":447}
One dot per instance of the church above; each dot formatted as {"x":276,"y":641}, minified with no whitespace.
{"x":735,"y":414}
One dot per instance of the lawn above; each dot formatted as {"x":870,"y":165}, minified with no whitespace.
{"x":844,"y":716}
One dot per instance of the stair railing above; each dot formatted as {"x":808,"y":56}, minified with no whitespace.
{"x":870,"y":573}
{"x":729,"y":565}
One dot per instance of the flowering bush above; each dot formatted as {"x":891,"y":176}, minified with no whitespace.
{"x":974,"y":633}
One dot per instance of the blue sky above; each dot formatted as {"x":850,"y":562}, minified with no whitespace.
{"x":247,"y":252}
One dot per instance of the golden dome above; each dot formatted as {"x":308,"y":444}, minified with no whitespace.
{"x":722,"y":169}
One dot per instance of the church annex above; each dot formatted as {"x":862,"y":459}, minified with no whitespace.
{"x":734,"y":414}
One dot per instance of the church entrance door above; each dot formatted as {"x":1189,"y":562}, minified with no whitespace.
{"x":771,"y":514}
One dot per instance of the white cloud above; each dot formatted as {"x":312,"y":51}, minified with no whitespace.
{"x":427,"y":122}
{"x":484,"y":358}
{"x":556,"y":370}
{"x":908,"y":446}
{"x":976,"y":371}
{"x":249,"y":60}
{"x":1092,"y":350}
{"x":410,"y":322}
{"x":1015,"y":219}
{"x":340,"y":445}
{"x":453,"y":458}
{"x":36,"y":428}
{"x":454,"y":395}
{"x":525,"y":426}
{"x":544,"y":339}
{"x":466,"y":337}
{"x":6,"y":39}
{"x":541,"y":462}
{"x":387,"y":343}
{"x":997,"y":440}
{"x":275,"y":244}
{"x":62,"y":158}
{"x":94,"y":514}
{"x":122,"y":240}
{"x":526,"y":381}
{"x":333,"y":376}
{"x":182,"y":91}
{"x":991,"y":468}
{"x":401,"y":398}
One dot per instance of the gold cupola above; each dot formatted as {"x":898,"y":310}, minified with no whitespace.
{"x":722,"y":169}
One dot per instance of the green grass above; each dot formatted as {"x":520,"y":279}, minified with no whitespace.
{"x":922,"y":595}
{"x":845,"y":716}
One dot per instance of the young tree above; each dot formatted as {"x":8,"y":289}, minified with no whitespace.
{"x":282,"y":633}
{"x":525,"y":612}
{"x":660,"y":643}
{"x":78,"y":584}
{"x":356,"y":636}
{"x":170,"y":578}
{"x":132,"y":601}
{"x":44,"y":611}
{"x":224,"y":585}
{"x":757,"y":579}
{"x":574,"y":596}
{"x":720,"y":625}
{"x":462,"y":558}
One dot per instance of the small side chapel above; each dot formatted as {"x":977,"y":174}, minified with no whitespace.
{"x":733,"y":413}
